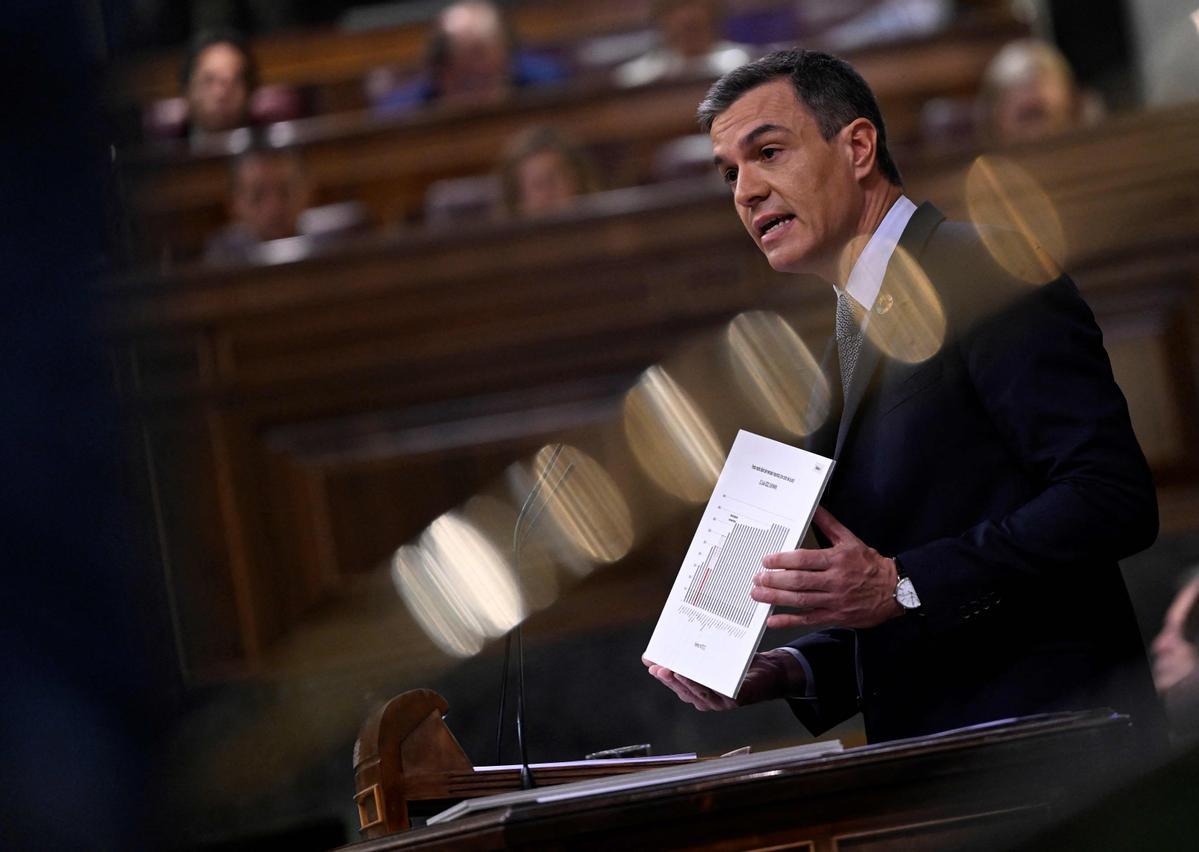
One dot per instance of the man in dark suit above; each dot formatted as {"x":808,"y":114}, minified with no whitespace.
{"x":987,"y":475}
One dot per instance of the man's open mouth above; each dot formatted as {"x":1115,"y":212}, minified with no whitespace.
{"x":771,"y":224}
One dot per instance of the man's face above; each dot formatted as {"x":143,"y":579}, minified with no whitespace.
{"x":1034,"y":109}
{"x":547,"y":183}
{"x":478,"y":64}
{"x":269,"y":196}
{"x":796,"y":193}
{"x":217,"y":93}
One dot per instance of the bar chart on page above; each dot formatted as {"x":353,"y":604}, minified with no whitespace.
{"x":763,"y":502}
{"x":726,"y":556}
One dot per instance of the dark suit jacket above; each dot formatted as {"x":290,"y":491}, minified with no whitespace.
{"x":1003,"y":473}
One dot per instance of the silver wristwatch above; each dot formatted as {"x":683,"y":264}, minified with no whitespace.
{"x":905,"y":592}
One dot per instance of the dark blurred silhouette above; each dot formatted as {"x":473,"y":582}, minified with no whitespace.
{"x":81,"y":706}
{"x":543,"y":171}
{"x":689,"y":43}
{"x":1176,"y":660}
{"x":472,"y":59}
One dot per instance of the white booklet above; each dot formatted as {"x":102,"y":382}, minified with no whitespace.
{"x":763,"y":502}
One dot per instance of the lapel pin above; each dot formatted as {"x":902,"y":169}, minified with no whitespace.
{"x":883,"y":303}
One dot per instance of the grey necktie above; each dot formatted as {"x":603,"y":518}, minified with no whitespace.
{"x":849,"y":338}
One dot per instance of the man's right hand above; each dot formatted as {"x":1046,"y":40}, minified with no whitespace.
{"x":772,"y":674}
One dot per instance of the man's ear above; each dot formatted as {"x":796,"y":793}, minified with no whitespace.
{"x":862,"y":138}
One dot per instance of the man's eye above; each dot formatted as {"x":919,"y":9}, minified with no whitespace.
{"x":768,"y":153}
{"x":729,"y":175}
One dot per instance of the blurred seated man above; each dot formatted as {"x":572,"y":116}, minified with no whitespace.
{"x":689,"y":43}
{"x":268,"y":192}
{"x":543,"y":172}
{"x":218,"y":76}
{"x":1028,"y":93}
{"x":1176,"y":660}
{"x":472,"y":59}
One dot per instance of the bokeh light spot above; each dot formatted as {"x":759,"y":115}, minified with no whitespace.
{"x":671,"y":438}
{"x":777,"y":371}
{"x":1015,"y":219}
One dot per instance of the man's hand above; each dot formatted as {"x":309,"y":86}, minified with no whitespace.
{"x":847,"y":584}
{"x":772,"y":674}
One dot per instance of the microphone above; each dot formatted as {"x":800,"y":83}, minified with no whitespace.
{"x":526,"y":522}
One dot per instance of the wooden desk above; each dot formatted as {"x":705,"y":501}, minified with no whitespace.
{"x":298,"y":422}
{"x":977,"y":789}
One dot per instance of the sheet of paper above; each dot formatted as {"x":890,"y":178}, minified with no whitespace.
{"x":663,"y":776}
{"x":763,"y":502}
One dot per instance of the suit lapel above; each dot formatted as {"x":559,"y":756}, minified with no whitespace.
{"x":920,"y":227}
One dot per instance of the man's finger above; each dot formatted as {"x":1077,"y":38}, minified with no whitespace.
{"x":698,"y":696}
{"x":797,"y":581}
{"x":834,"y":530}
{"x":797,"y":560}
{"x":796,"y":600}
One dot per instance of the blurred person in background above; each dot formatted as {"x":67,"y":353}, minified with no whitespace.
{"x":1028,"y":93}
{"x":689,"y":43}
{"x":472,"y":59}
{"x":542,"y":171}
{"x":1176,"y":660}
{"x":269,"y":190}
{"x":218,"y":76}
{"x":852,"y":24}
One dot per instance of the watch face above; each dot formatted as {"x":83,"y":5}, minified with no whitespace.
{"x":905,"y":593}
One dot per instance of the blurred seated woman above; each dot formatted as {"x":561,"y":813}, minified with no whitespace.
{"x":542,"y":172}
{"x":1028,"y":93}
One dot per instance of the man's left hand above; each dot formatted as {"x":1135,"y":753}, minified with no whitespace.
{"x":846,"y":585}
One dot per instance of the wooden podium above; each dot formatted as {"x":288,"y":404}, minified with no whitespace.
{"x":978,"y":788}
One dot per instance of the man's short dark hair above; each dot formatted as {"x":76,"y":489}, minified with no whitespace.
{"x":207,"y":39}
{"x":828,"y":86}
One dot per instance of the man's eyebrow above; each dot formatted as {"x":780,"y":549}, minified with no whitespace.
{"x":749,"y":138}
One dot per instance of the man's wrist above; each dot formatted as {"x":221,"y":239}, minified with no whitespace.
{"x":795,"y":681}
{"x":904,"y":595}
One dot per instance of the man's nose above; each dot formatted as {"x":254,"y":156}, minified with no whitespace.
{"x":750,"y":188}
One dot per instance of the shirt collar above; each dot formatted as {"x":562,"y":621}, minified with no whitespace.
{"x":866,"y":277}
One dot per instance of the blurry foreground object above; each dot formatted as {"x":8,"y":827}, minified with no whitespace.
{"x":84,"y":654}
{"x":543,"y":171}
{"x":1028,"y":93}
{"x":1016,"y":219}
{"x":671,"y":437}
{"x":689,"y":43}
{"x":778,"y":372}
{"x":1176,"y":660}
{"x":472,"y":59}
